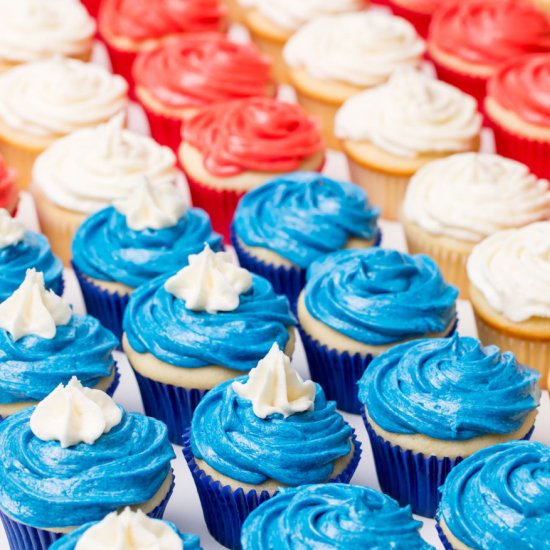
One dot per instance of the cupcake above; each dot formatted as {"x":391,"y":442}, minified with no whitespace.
{"x":129,"y":529}
{"x":232,"y":148}
{"x":467,"y":41}
{"x":326,"y":70}
{"x":74,"y":458}
{"x":272,"y":22}
{"x":508,"y":275}
{"x":517,"y":108}
{"x":45,"y":100}
{"x":187,"y":73}
{"x":261,"y":432}
{"x":21,"y":250}
{"x":393,"y":130}
{"x":209,"y":323}
{"x":31,"y":30}
{"x":129,"y":27}
{"x":454,"y":203}
{"x":417,"y":12}
{"x":283,"y":226}
{"x":43,"y":344}
{"x":9,"y":194}
{"x":358,"y":303}
{"x":331,"y":516}
{"x":88,"y":170}
{"x":430,"y":403}
{"x":498,"y":499}
{"x":147,"y":234}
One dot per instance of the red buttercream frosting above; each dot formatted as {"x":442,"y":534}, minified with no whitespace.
{"x":422,"y":6}
{"x":258,"y":134}
{"x":9,"y":194}
{"x":203,"y":69}
{"x":489,"y":32}
{"x":143,"y":19}
{"x":523,"y":86}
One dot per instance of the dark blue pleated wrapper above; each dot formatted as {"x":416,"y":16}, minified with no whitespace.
{"x":444,"y":540}
{"x":226,"y":509}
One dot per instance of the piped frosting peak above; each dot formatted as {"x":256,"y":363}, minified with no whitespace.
{"x":12,"y":231}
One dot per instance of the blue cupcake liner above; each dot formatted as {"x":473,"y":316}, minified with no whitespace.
{"x":107,"y":307}
{"x":172,"y":404}
{"x":24,"y":537}
{"x":410,"y":478}
{"x":444,"y":540}
{"x":225,"y":509}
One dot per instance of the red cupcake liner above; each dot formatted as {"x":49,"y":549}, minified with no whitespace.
{"x":165,"y":129}
{"x":419,"y":20}
{"x":121,"y":64}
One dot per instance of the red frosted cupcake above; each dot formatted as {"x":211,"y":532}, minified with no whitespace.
{"x":9,"y":193}
{"x":469,"y":39}
{"x":518,"y":109}
{"x":188,"y":73}
{"x":92,"y":6}
{"x":417,"y":12}
{"x":231,"y":148}
{"x":132,"y":26}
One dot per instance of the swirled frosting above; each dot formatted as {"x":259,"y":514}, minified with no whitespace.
{"x":376,"y":44}
{"x":235,"y":339}
{"x":12,"y":231}
{"x":137,"y":20}
{"x":522,"y":85}
{"x":449,"y":388}
{"x":203,"y":69}
{"x":45,"y":485}
{"x":296,"y":450}
{"x":32,"y":29}
{"x":489,"y":32}
{"x":411,"y":115}
{"x":510,"y":269}
{"x":105,"y":248}
{"x":498,"y":499}
{"x":331,"y":515}
{"x":304,"y":215}
{"x":260,"y":134}
{"x":9,"y":194}
{"x":472,"y":195}
{"x":93,"y":167}
{"x":379,"y":296}
{"x":57,"y":96}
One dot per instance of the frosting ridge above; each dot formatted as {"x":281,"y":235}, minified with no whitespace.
{"x":12,"y":231}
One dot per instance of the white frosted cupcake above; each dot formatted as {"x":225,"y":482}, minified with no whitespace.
{"x":326,"y":70}
{"x":453,"y":203}
{"x":391,"y":131}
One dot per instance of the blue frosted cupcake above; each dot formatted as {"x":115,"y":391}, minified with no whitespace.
{"x":126,"y":245}
{"x":331,"y":516}
{"x":74,"y":458}
{"x":430,"y":403}
{"x":359,"y":303}
{"x":185,"y":334}
{"x":282,"y":227}
{"x":261,"y":432}
{"x":43,"y":344}
{"x":21,"y":250}
{"x":116,"y":529}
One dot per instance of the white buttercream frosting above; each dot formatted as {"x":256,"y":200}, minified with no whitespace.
{"x":36,"y":29}
{"x":93,"y":167}
{"x":469,"y":196}
{"x":211,"y":282}
{"x":12,"y":231}
{"x":410,"y":115}
{"x":129,"y":531}
{"x":54,"y":97}
{"x":511,"y":269}
{"x":275,"y":387}
{"x":32,"y":309}
{"x":362,"y":49}
{"x":73,"y":414}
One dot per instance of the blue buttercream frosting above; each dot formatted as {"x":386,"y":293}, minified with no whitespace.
{"x":32,"y":367}
{"x":379,"y":296}
{"x":105,"y":248}
{"x":296,"y":450}
{"x":33,"y":251}
{"x":499,"y":498}
{"x":45,"y":485}
{"x":305,"y":215}
{"x":448,"y":388}
{"x":156,"y":321}
{"x":331,"y":516}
